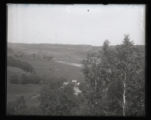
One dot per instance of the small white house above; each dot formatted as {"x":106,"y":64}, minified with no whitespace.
{"x":76,"y":89}
{"x":65,"y":83}
{"x":74,"y":81}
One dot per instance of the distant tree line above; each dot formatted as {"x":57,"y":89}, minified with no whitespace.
{"x":11,"y":61}
{"x":25,"y":79}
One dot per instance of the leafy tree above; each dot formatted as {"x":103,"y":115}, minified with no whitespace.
{"x":131,"y":69}
{"x":97,"y":71}
{"x":113,"y":76}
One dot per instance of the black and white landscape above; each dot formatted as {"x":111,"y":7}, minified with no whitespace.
{"x":76,"y":60}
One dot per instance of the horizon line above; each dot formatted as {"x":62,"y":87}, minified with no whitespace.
{"x":65,"y":44}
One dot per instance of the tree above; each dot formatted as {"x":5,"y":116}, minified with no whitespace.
{"x":125,"y":65}
{"x":113,"y":75}
{"x":97,"y":71}
{"x":129,"y":67}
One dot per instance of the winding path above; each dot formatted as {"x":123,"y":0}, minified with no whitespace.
{"x":72,"y":64}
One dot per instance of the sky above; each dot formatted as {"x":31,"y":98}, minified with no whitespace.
{"x":75,"y":23}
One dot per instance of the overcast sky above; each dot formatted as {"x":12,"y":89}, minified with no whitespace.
{"x":75,"y":24}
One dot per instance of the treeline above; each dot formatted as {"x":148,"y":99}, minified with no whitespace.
{"x":28,"y":76}
{"x":11,"y":61}
{"x":25,"y":78}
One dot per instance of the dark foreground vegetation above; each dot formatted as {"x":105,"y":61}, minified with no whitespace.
{"x":113,"y":85}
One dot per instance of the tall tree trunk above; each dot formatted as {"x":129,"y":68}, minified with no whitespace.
{"x":124,"y":95}
{"x":95,"y":85}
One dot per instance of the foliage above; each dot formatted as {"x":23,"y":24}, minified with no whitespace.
{"x":132,"y":63}
{"x":30,"y":79}
{"x":11,"y":61}
{"x":58,"y":100}
{"x":104,"y":75}
{"x":25,"y":79}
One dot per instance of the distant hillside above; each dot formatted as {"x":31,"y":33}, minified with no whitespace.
{"x":71,"y":53}
{"x":63,"y":52}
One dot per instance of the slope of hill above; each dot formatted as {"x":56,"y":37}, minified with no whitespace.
{"x":71,"y":53}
